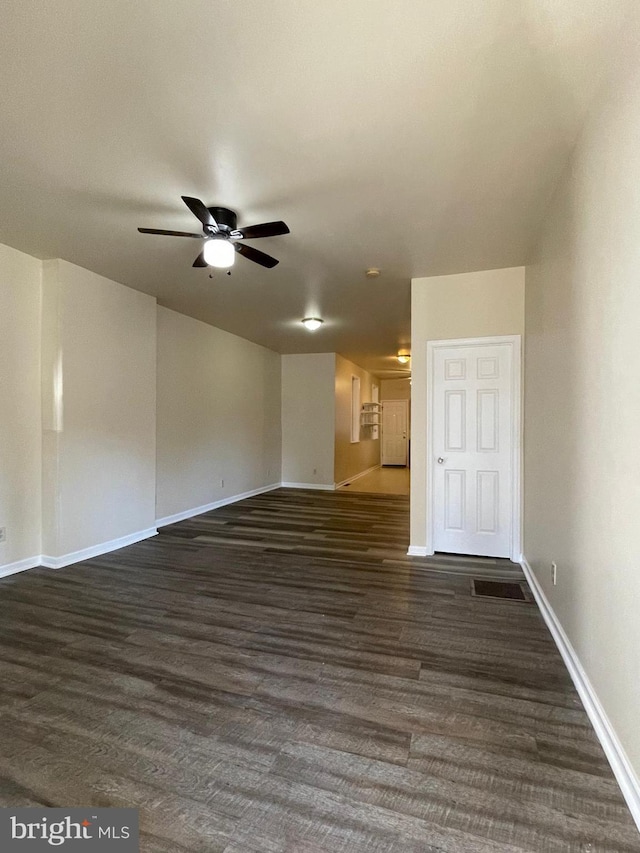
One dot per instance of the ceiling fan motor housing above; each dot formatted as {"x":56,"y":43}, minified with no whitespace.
{"x":226,"y":219}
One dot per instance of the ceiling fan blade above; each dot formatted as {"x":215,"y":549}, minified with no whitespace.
{"x":267,"y":229}
{"x":200,"y":261}
{"x":199,"y":209}
{"x":169,"y":233}
{"x":255,"y":255}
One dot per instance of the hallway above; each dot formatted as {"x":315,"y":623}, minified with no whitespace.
{"x":389,"y":481}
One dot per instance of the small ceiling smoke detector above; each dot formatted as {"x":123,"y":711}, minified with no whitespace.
{"x":312,"y":323}
{"x":372,"y":272}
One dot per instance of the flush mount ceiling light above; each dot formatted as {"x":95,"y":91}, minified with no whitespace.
{"x":312,"y":323}
{"x":403,"y":357}
{"x":219,"y":253}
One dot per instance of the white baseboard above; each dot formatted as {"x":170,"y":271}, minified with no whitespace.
{"x":96,"y":550}
{"x":613,"y":749}
{"x":198,"y":510}
{"x":19,"y":566}
{"x":357,"y":476}
{"x":418,"y":551}
{"x":324,"y":487}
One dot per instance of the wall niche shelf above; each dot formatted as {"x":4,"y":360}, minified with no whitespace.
{"x":370,"y":414}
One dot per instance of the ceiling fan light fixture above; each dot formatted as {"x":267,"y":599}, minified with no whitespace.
{"x":219,"y":252}
{"x":219,"y":227}
{"x":312,"y":323}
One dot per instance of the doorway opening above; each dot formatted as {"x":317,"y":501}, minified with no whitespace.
{"x":393,"y":475}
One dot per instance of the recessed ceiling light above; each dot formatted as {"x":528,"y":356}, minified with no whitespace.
{"x":312,"y":323}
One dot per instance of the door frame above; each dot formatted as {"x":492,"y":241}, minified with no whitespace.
{"x":406,"y":408}
{"x":514,"y":342}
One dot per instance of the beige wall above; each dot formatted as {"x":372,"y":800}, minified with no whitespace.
{"x":218,"y":415}
{"x":582,"y":405}
{"x":469,"y":305}
{"x":52,"y":406}
{"x":98,"y":391}
{"x":352,"y":459}
{"x":20,"y":409}
{"x":395,"y":389}
{"x":308,"y":417}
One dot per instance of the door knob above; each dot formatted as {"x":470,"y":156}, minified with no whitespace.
{"x":440,"y":460}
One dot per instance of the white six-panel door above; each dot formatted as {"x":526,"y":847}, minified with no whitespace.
{"x":473,"y":448}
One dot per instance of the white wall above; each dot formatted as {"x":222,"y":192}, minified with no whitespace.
{"x":78,"y":412}
{"x":352,"y":459}
{"x":98,"y":391}
{"x":468,"y":305}
{"x":582,"y":404}
{"x":218,"y":415}
{"x":308,"y":418}
{"x":20,"y":409}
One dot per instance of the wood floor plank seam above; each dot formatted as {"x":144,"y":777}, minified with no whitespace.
{"x":279,"y":676}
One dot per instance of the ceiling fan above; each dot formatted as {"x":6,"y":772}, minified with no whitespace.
{"x":222,"y":235}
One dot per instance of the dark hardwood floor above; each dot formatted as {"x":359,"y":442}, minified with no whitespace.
{"x":278,"y":676}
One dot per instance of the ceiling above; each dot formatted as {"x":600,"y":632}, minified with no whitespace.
{"x":423,"y":137}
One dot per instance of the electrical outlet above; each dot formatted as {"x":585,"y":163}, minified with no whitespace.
{"x":3,"y":534}
{"x":554,"y":573}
